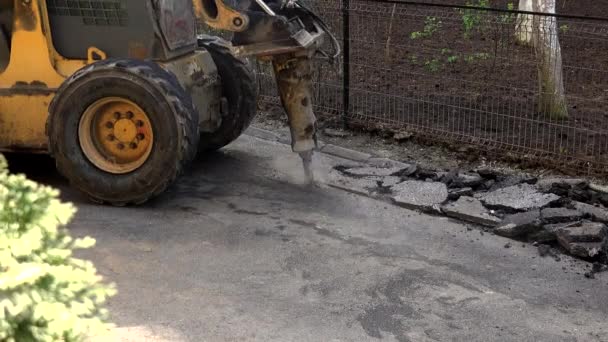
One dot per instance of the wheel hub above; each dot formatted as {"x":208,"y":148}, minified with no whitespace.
{"x":116,"y":135}
{"x":125,"y":130}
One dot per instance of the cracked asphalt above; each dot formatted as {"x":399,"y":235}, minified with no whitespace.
{"x":238,"y":250}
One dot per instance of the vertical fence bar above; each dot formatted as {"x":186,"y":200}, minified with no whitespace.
{"x":345,"y":61}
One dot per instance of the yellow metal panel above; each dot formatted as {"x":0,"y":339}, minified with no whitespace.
{"x":31,"y":61}
{"x":28,"y":84}
{"x":22,"y":122}
{"x":225,"y":17}
{"x":31,"y":79}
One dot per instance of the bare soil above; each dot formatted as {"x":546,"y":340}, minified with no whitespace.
{"x":413,"y":149}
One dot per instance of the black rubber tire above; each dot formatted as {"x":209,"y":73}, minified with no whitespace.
{"x":167,"y":105}
{"x":239,"y":87}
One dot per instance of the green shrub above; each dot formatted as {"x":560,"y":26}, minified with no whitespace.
{"x":45,"y":293}
{"x":431,"y":25}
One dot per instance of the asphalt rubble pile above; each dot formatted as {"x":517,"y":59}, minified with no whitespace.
{"x":552,"y":213}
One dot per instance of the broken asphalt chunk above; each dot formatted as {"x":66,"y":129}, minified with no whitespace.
{"x":464,"y":180}
{"x":420,"y":195}
{"x":471,"y":210}
{"x":599,"y":188}
{"x":454,"y":194}
{"x":489,"y":173}
{"x":548,"y":232}
{"x":596,"y":213}
{"x":519,"y":197}
{"x":507,"y":181}
{"x":560,"y":215}
{"x":363,"y":186}
{"x":585,"y":249}
{"x":586,"y":240}
{"x":549,"y":184}
{"x":423,"y":174}
{"x":519,"y":225}
{"x":585,"y":232}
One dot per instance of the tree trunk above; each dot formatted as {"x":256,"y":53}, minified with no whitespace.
{"x":545,"y":38}
{"x":523,"y":29}
{"x":387,"y":49}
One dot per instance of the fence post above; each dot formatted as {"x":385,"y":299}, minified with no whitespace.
{"x":345,"y":61}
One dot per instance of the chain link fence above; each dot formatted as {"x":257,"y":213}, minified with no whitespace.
{"x":514,"y":83}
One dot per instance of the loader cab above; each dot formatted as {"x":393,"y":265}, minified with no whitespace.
{"x":158,"y":30}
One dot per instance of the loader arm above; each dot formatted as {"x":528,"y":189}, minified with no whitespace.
{"x":288,"y":34}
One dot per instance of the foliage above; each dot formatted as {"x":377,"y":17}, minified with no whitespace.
{"x":433,"y":65}
{"x":452,"y":59}
{"x":45,"y":293}
{"x":448,"y":57}
{"x":509,"y":17}
{"x":476,"y":56}
{"x":471,"y":19}
{"x":431,"y":25}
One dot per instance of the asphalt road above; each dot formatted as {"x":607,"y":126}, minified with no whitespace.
{"x":238,"y":251}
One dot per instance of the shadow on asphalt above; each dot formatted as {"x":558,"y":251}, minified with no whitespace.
{"x":38,"y":167}
{"x":212,"y":175}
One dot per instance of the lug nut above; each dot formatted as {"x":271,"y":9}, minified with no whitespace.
{"x":109,"y":125}
{"x":130,"y":115}
{"x":117,"y":115}
{"x":133,"y":146}
{"x":120,"y":146}
{"x":139,"y":123}
{"x":111,"y":137}
{"x":141,"y":137}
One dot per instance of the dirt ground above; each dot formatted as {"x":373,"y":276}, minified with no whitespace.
{"x":409,"y":149}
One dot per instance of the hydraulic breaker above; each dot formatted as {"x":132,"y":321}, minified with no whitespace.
{"x":290,"y":36}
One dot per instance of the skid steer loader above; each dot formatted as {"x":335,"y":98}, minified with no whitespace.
{"x":124,"y":94}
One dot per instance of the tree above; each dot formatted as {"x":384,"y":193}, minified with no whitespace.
{"x":541,"y":32}
{"x":45,"y":293}
{"x":523,"y":29}
{"x":548,"y":52}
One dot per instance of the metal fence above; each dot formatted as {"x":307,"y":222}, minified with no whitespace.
{"x":487,"y":77}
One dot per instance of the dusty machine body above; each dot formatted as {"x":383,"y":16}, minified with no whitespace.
{"x":124,"y":94}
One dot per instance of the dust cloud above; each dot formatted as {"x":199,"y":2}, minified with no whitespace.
{"x":292,"y":169}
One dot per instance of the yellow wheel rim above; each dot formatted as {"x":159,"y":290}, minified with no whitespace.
{"x":116,"y":135}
